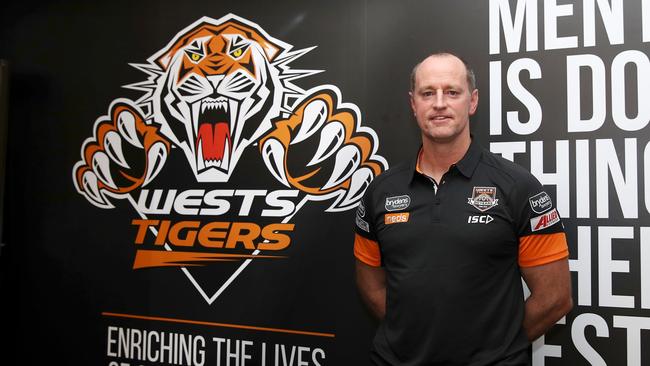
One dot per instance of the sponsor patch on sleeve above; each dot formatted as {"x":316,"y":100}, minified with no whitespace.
{"x":394,"y":218}
{"x":397,"y":203}
{"x":362,"y":224}
{"x":361,"y":210}
{"x":540,"y":202}
{"x":546,"y":220}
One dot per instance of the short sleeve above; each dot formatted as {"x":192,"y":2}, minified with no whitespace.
{"x":363,"y":223}
{"x":367,"y":251}
{"x":539,"y":227}
{"x":533,"y":209}
{"x":366,"y":245}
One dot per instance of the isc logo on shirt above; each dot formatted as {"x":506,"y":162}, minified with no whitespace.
{"x":395,"y":218}
{"x":479,"y":219}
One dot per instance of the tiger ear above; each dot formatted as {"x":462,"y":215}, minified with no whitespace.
{"x":270,"y":48}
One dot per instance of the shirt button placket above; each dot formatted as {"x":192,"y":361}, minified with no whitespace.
{"x":436,"y":209}
{"x":436,"y":212}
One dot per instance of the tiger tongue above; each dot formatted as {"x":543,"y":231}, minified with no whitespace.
{"x":212,"y":138}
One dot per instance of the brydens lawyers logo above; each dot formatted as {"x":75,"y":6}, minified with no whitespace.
{"x":218,"y":89}
{"x":540,"y":202}
{"x":397,"y":203}
{"x":483,"y":198}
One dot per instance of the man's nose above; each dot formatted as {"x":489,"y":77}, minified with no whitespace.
{"x":439,"y":100}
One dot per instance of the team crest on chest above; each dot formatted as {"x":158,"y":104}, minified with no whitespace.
{"x":483,"y":198}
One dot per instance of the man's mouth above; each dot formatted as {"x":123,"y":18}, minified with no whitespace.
{"x":439,"y":118}
{"x":213,"y":140}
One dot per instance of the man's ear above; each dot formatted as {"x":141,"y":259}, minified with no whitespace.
{"x":473,"y":103}
{"x":412,"y":102}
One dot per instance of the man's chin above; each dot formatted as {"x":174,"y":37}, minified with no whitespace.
{"x":445,"y":136}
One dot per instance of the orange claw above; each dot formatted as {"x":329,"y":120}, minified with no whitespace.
{"x":320,"y":116}
{"x":103,"y":154}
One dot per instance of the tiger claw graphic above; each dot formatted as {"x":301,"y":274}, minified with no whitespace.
{"x":344,"y":161}
{"x":125,"y":154}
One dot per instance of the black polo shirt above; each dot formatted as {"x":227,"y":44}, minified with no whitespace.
{"x":452,"y":252}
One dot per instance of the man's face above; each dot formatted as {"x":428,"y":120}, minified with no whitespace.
{"x":441,"y":99}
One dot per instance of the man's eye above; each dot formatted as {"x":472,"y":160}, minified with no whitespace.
{"x":453,"y":93}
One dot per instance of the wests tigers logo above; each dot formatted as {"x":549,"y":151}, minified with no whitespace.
{"x":220,"y":88}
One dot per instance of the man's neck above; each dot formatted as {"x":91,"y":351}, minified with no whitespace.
{"x":436,"y":157}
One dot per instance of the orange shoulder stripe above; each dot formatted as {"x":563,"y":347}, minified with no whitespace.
{"x":539,"y":249}
{"x":367,"y":251}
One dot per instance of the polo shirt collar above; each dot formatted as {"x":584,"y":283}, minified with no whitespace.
{"x":466,"y":166}
{"x":468,"y":163}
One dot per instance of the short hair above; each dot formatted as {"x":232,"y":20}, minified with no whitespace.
{"x":471,"y":77}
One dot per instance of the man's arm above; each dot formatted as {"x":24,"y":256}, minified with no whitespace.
{"x":371,"y":282}
{"x":550,"y":298}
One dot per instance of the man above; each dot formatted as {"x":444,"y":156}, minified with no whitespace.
{"x":443,"y":241}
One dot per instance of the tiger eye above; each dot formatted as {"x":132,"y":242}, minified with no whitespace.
{"x":237,"y":53}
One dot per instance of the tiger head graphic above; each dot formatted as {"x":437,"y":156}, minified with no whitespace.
{"x":212,"y":79}
{"x":218,"y":87}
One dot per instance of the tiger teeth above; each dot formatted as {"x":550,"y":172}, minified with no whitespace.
{"x":214,"y":104}
{"x":222,"y":163}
